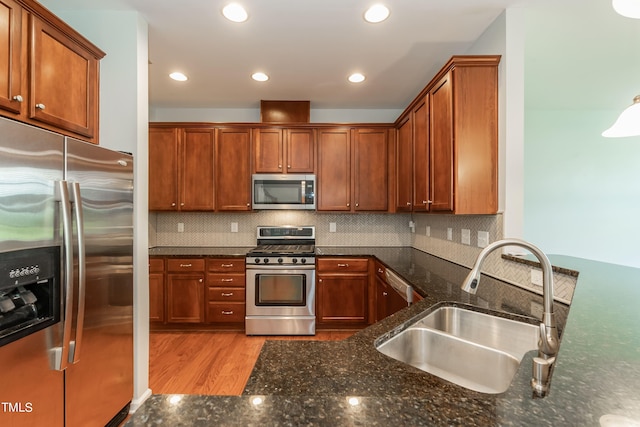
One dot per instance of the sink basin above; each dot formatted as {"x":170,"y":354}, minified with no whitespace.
{"x":478,"y":351}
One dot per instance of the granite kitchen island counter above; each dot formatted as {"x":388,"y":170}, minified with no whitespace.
{"x":348,"y":382}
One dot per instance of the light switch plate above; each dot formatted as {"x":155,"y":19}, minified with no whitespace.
{"x":181,"y":227}
{"x":483,"y":239}
{"x":536,"y":277}
{"x":449,"y":233}
{"x":234,"y":227}
{"x":332,"y":227}
{"x":466,"y":236}
{"x":428,"y":231}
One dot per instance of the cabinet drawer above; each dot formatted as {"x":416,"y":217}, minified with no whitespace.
{"x":381,"y":271}
{"x":220,"y":312}
{"x":225,"y":294}
{"x":185,"y":264}
{"x":156,"y":265}
{"x":340,"y":265}
{"x":226,"y":280}
{"x":226,"y":265}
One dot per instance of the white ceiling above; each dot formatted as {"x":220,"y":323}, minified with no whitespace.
{"x":309,"y":47}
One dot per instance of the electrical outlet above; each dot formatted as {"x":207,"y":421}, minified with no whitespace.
{"x":466,"y":236}
{"x":449,"y":233}
{"x":234,"y":227}
{"x":332,"y":227}
{"x":181,"y":227}
{"x":412,"y":226}
{"x":483,"y":239}
{"x":536,"y":277}
{"x":428,"y":231}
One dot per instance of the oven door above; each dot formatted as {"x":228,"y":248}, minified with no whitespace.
{"x":274,"y":290}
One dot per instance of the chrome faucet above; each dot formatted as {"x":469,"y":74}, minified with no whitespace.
{"x":548,"y":340}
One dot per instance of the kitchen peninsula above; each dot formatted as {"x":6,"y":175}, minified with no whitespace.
{"x":349,"y":383}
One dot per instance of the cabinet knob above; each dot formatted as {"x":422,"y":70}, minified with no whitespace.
{"x":348,"y":204}
{"x":408,"y":203}
{"x":279,"y":166}
{"x":380,"y":271}
{"x":248,"y":204}
{"x":173,"y":204}
{"x":40,"y":106}
{"x":181,"y":204}
{"x":357,"y":204}
{"x":384,"y":294}
{"x":17,"y":98}
{"x":288,"y":166}
{"x":429,"y":201}
{"x":200,"y":280}
{"x":424,"y":202}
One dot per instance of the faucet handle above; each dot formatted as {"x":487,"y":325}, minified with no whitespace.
{"x":548,"y":341}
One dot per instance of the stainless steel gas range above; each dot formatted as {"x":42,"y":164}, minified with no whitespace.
{"x":281,"y":288}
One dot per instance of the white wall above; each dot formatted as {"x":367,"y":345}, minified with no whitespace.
{"x":124,"y":126}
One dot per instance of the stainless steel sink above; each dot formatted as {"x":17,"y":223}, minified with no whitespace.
{"x":475,"y":350}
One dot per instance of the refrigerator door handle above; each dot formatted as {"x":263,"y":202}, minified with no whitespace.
{"x":76,"y":203}
{"x":58,"y":356}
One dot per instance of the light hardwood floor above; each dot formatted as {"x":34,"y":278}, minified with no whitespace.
{"x":212,"y":363}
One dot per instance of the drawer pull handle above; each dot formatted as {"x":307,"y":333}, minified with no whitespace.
{"x":227,"y":265}
{"x":226,"y":294}
{"x":227,"y":280}
{"x":380,"y":271}
{"x":186,"y":265}
{"x":343,"y":265}
{"x":227,"y":313}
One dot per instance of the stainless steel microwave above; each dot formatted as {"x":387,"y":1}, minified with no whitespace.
{"x":286,"y":191}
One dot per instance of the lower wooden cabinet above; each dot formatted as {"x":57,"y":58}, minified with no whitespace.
{"x":196,"y":293}
{"x":156,"y":290}
{"x":185,"y":290}
{"x":225,"y":297}
{"x":388,"y":300}
{"x":342,"y":292}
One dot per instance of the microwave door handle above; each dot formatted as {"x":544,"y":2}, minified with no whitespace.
{"x":76,"y":202}
{"x":304,"y":191}
{"x":59,"y":355}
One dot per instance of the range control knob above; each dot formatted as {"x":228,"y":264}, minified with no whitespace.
{"x":279,"y":260}
{"x":303,"y":260}
{"x":266,"y":260}
{"x":294,"y":260}
{"x":257,"y":260}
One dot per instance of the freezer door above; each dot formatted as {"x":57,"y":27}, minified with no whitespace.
{"x":31,"y":162}
{"x":99,"y":379}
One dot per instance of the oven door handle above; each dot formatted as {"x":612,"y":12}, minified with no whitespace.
{"x":289,"y":267}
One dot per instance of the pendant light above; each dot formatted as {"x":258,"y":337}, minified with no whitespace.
{"x":628,"y":8}
{"x":628,"y":123}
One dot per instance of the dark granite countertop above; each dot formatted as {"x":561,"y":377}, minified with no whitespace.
{"x":596,"y":377}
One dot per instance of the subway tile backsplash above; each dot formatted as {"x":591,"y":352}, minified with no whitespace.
{"x":366,"y":229}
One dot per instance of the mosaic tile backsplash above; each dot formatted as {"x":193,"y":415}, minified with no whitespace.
{"x":428,"y":233}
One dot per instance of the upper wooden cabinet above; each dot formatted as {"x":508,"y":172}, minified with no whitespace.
{"x":404,"y":165}
{"x":289,"y":150}
{"x":51,"y":81}
{"x":455,"y":139}
{"x":353,"y":169}
{"x":181,"y":166}
{"x":233,"y":169}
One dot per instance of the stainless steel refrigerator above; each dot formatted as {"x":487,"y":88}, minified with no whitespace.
{"x":66,"y":280}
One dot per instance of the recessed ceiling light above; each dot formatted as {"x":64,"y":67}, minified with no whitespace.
{"x":356,"y":78}
{"x":376,"y":13}
{"x":259,"y":77}
{"x":178,"y":76}
{"x":234,"y":12}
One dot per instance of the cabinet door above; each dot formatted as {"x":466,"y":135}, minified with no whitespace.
{"x":196,"y":171}
{"x":334,"y":170}
{"x":420,"y":156}
{"x":267,"y":150}
{"x":395,"y":302}
{"x":370,"y":177}
{"x":156,"y":297}
{"x":342,"y":298}
{"x":300,"y":150}
{"x":441,"y":141}
{"x":11,"y":91}
{"x":404,"y":165}
{"x":185,"y":298}
{"x":233,"y":169}
{"x":64,"y":81}
{"x":163,"y":169}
